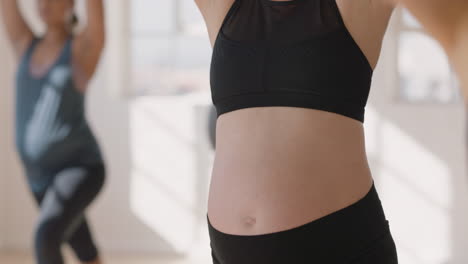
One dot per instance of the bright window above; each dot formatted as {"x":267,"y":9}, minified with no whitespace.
{"x":170,"y":51}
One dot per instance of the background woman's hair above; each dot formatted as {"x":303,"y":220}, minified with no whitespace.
{"x":74,"y":21}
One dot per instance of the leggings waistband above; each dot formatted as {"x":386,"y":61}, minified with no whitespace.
{"x":338,"y":235}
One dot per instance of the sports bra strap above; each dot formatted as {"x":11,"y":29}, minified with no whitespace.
{"x":231,"y":10}
{"x":32,"y":45}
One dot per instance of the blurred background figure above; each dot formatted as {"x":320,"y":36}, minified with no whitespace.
{"x":60,"y":155}
{"x":149,"y":105}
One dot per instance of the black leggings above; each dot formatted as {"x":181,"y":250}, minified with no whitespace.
{"x":62,"y":203}
{"x":358,"y":234}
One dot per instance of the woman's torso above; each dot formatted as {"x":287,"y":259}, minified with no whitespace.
{"x":280,"y":167}
{"x":51,"y":128}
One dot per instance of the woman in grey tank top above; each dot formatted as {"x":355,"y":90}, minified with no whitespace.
{"x":60,"y":155}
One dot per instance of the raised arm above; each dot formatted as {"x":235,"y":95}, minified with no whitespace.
{"x":89,"y":43}
{"x":18,"y":31}
{"x":447,"y":21}
{"x":441,"y":18}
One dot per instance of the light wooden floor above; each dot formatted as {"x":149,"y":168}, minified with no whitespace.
{"x":25,"y":258}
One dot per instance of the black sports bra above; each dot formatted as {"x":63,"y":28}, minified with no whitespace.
{"x":292,"y":53}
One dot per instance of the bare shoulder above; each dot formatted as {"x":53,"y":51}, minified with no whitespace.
{"x":86,"y":53}
{"x":368,"y":8}
{"x":367,"y":21}
{"x":214,"y":12}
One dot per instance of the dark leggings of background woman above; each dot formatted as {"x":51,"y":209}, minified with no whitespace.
{"x":62,"y":217}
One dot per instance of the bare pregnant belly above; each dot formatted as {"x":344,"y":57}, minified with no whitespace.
{"x":277,"y":168}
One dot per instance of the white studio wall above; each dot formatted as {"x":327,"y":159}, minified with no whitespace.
{"x":19,"y":203}
{"x":4,"y":144}
{"x":417,"y":154}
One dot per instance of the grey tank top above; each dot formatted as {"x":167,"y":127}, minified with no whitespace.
{"x":51,"y":127}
